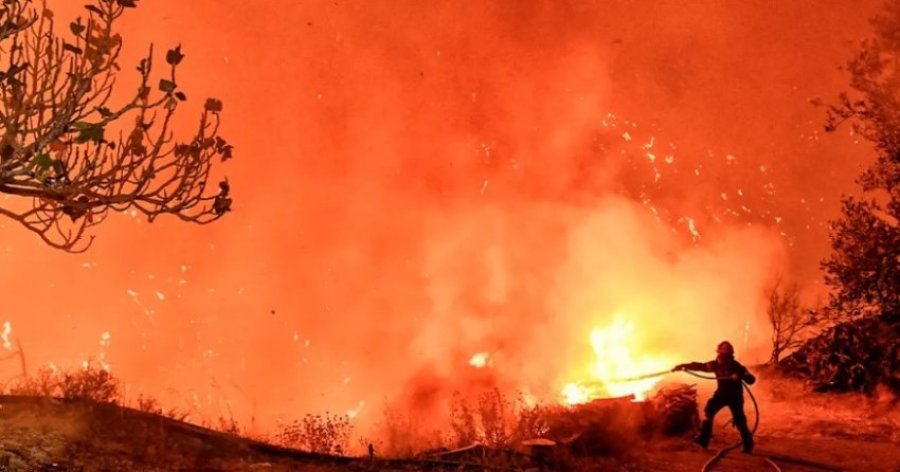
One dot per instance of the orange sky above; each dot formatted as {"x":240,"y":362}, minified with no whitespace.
{"x":415,"y":182}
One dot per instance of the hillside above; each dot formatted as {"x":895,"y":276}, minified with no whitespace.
{"x":846,"y":431}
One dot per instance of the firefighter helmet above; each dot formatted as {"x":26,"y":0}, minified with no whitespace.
{"x":725,"y":347}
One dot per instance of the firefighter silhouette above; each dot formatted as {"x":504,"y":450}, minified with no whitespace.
{"x":729,"y":392}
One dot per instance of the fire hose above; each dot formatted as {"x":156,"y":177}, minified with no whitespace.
{"x":770,"y":459}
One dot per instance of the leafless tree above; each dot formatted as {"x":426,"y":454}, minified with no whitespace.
{"x":790,"y":320}
{"x":20,"y":354}
{"x":74,"y":154}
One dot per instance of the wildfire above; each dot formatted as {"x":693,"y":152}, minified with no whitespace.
{"x":620,"y":357}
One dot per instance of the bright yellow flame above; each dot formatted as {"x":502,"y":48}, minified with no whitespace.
{"x":620,"y":357}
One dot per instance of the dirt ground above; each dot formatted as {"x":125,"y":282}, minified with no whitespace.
{"x":847,"y":432}
{"x":850,"y":432}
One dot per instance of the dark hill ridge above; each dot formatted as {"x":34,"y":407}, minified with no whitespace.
{"x":50,"y":434}
{"x":39,"y":433}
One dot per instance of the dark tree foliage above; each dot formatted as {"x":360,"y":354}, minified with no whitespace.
{"x":864,"y":267}
{"x":861,"y":351}
{"x":75,"y":146}
{"x":857,"y":355}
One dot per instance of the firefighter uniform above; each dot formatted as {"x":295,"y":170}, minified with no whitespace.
{"x":729,"y":393}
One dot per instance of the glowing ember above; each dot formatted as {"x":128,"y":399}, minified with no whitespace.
{"x":620,"y":357}
{"x":353,"y":413}
{"x":7,"y":329}
{"x":479,"y":360}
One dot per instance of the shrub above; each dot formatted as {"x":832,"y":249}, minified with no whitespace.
{"x":148,"y":405}
{"x":83,"y":384}
{"x":405,"y":435}
{"x":229,"y":426}
{"x":496,"y":414}
{"x":89,"y":384}
{"x":463,"y":427}
{"x":44,"y":384}
{"x":497,"y":421}
{"x":323,"y":434}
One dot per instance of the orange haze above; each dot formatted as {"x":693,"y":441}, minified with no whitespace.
{"x":420,"y":182}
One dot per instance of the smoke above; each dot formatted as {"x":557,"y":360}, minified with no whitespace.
{"x":419,"y":184}
{"x":536,"y":279}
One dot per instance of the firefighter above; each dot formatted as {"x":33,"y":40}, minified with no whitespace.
{"x":729,"y":392}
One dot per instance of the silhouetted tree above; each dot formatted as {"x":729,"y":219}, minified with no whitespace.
{"x":864,"y":267}
{"x":74,"y":150}
{"x":791,"y":321}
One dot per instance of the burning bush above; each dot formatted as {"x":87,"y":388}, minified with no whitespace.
{"x":323,"y":434}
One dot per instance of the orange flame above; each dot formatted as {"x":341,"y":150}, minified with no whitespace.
{"x":621,"y":355}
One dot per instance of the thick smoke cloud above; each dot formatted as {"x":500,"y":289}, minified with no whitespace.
{"x":417,"y":183}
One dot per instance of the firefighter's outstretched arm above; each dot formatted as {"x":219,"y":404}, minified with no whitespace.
{"x":696,"y":366}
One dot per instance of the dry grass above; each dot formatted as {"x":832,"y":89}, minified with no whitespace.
{"x":322,"y":434}
{"x":405,"y":435}
{"x":496,"y":420}
{"x":838,"y":415}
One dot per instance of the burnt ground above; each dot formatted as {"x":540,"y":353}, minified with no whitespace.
{"x":849,"y":432}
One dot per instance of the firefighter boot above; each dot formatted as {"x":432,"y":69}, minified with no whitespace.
{"x":702,"y":439}
{"x":748,"y":442}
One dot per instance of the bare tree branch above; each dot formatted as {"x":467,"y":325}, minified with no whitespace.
{"x":791,"y":322}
